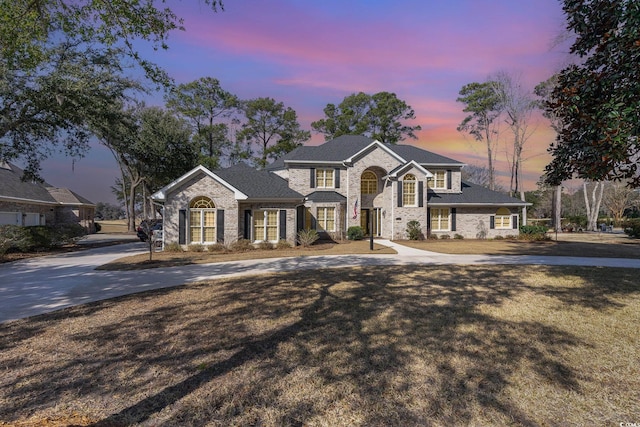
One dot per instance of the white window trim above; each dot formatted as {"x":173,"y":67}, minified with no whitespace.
{"x":264,"y":226}
{"x":324,"y":172}
{"x":415,"y":193}
{"x":319,"y":226}
{"x":509,"y":225}
{"x":440,"y":219}
{"x":433,"y":180}
{"x":201,"y":226}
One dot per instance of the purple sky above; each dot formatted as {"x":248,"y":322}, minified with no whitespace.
{"x":311,"y":53}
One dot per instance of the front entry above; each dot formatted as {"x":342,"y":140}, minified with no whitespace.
{"x":366,"y":217}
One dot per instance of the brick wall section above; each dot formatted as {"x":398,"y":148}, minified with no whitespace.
{"x":473,"y":223}
{"x":48,"y":211}
{"x":200,"y":185}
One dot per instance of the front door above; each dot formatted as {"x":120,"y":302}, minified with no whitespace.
{"x":366,"y":216}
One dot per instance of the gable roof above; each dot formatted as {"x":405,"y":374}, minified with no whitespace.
{"x":244,"y":181}
{"x":344,"y":148}
{"x":412,"y":164}
{"x":326,"y":197}
{"x":13,"y":188}
{"x":473,"y":195}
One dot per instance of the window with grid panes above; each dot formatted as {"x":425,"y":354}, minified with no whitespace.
{"x":202,"y":220}
{"x":265,"y":225}
{"x":503,"y":218}
{"x":324,"y":178}
{"x":326,"y":219}
{"x":438,"y":181}
{"x":368,"y":183}
{"x":439,"y":219}
{"x":409,"y":190}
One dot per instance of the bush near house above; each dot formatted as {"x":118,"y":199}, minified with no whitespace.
{"x":307,"y":237}
{"x":533,"y":232}
{"x":38,"y":238}
{"x":631,"y":228}
{"x":413,"y":230}
{"x":355,"y":233}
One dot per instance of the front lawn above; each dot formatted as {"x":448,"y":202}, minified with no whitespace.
{"x":385,"y":345}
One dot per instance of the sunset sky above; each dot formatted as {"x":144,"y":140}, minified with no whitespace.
{"x":311,"y":53}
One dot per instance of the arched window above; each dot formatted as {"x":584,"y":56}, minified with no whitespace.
{"x":368,"y":183}
{"x":202,"y":220}
{"x":503,"y":218}
{"x":409,"y":190}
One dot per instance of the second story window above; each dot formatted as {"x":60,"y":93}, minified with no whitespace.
{"x":409,"y":190}
{"x":439,"y":180}
{"x":324,"y":178}
{"x":368,"y":183}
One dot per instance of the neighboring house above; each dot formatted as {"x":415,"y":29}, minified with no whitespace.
{"x":28,"y":203}
{"x":348,"y":181}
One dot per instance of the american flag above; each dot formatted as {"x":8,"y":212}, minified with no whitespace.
{"x":355,"y":209}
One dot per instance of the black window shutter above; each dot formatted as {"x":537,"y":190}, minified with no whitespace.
{"x":283,"y":224}
{"x":453,"y":219}
{"x":300,"y":218}
{"x":312,"y":177}
{"x":492,"y":222}
{"x":220,"y":226}
{"x":514,"y":222}
{"x":336,"y":178}
{"x":399,"y":193}
{"x":420,"y":194}
{"x":428,"y":221}
{"x":182,"y":226}
{"x":449,"y":184}
{"x":247,"y":224}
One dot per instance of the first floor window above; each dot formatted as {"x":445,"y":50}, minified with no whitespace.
{"x":265,"y":226}
{"x":503,"y":218}
{"x":326,"y":219}
{"x":439,"y":219}
{"x":202,"y":220}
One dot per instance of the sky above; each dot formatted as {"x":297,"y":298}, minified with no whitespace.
{"x":308,"y":54}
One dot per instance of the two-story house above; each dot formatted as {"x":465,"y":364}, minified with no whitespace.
{"x":348,"y":181}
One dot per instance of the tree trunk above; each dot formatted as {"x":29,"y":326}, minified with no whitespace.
{"x":557,"y":209}
{"x":593,"y":205}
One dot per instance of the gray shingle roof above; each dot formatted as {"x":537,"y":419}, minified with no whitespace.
{"x":258,"y":184}
{"x":68,"y":197}
{"x":473,"y":194}
{"x":345,"y":146}
{"x":326,"y":197}
{"x":11,"y":185}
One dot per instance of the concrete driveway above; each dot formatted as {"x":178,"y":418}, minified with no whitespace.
{"x":41,"y":285}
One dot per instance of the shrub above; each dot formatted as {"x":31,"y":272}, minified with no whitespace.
{"x":631,"y":228}
{"x":173,"y":247}
{"x":458,"y":236}
{"x":195,"y":247}
{"x":307,"y":237}
{"x":413,"y":230}
{"x":533,"y":232}
{"x":13,"y":237}
{"x":355,"y":232}
{"x":444,"y":237}
{"x":265,"y":245}
{"x":241,"y":245}
{"x":283,"y":244}
{"x":498,"y":237}
{"x":432,"y":236}
{"x":97,"y":227}
{"x":511,"y":237}
{"x":216,"y":247}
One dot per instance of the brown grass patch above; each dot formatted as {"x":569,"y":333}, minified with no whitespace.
{"x":418,"y":345}
{"x":115,"y":226}
{"x":599,"y":245}
{"x":174,"y":259}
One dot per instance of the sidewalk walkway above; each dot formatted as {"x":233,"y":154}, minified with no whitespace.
{"x":41,"y":285}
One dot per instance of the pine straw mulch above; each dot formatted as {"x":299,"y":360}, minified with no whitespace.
{"x":393,"y":345}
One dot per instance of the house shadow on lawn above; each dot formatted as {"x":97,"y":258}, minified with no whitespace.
{"x":383,"y":345}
